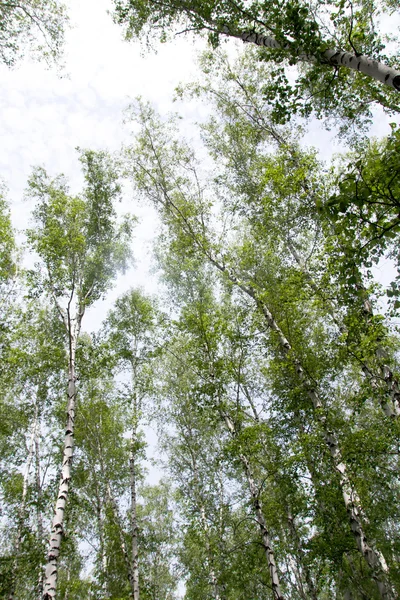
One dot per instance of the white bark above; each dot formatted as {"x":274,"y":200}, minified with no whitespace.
{"x":293,"y":531}
{"x":338,"y":58}
{"x":57,"y":530}
{"x":373,"y":557}
{"x":352,"y":502}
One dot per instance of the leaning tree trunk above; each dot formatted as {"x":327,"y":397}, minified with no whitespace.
{"x":292,"y":528}
{"x":337,"y":58}
{"x":373,"y":557}
{"x":256,"y":502}
{"x":57,"y":530}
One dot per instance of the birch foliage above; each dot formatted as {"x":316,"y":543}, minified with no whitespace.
{"x":305,"y":362}
{"x":319,"y":38}
{"x":33,"y":27}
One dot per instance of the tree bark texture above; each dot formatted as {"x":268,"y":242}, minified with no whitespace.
{"x":337,"y":58}
{"x":57,"y":530}
{"x":266,"y":542}
{"x":373,"y":557}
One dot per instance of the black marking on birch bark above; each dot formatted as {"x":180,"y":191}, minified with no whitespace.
{"x":334,"y":58}
{"x":396,"y":83}
{"x":52,"y":557}
{"x":358,"y":66}
{"x":351,"y":58}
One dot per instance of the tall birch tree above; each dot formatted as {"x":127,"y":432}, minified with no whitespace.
{"x":132,"y":334}
{"x":81,"y":248}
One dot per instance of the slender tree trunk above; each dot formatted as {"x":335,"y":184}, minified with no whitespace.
{"x":266,"y":542}
{"x":337,"y":58}
{"x":373,"y":557}
{"x":117,"y":520}
{"x":39,"y":518}
{"x":57,"y":530}
{"x":133,"y":513}
{"x":312,"y":593}
{"x":352,"y":503}
{"x":22,"y":508}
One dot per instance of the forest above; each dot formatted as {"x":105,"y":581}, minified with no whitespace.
{"x":265,"y":374}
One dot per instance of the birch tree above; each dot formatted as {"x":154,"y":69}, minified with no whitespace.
{"x":132,"y":333}
{"x":284,"y":193}
{"x":34,"y":360}
{"x":81,"y":248}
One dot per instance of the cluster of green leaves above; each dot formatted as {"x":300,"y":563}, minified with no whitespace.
{"x":36,"y":26}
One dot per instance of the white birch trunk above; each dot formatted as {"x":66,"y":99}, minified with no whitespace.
{"x":373,"y":557}
{"x":266,"y":542}
{"x":133,"y":511}
{"x":337,"y":58}
{"x":300,"y":552}
{"x":57,"y":530}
